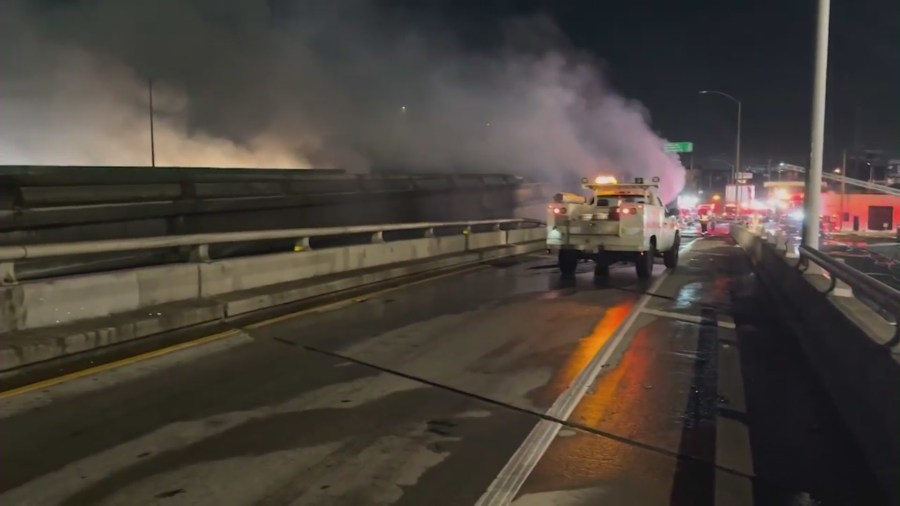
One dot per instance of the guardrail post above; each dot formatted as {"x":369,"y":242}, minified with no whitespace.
{"x":466,"y":231}
{"x":896,"y":339}
{"x":429,"y":233}
{"x":780,"y":241}
{"x":790,"y":248}
{"x":378,"y":237}
{"x":302,"y":244}
{"x":8,"y":273}
{"x":199,"y":253}
{"x":841,"y":289}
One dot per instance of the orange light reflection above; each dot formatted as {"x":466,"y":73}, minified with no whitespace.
{"x":620,"y":404}
{"x":586,"y":350}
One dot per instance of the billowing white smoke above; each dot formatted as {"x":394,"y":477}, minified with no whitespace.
{"x":310,"y":84}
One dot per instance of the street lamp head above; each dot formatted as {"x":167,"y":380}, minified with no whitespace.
{"x":704,"y":92}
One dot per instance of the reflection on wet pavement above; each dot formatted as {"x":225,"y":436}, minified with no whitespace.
{"x":664,"y":408}
{"x":587,"y":347}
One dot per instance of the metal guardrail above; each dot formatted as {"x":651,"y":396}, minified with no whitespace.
{"x":851,"y":181}
{"x":883,"y":296}
{"x":199,"y":243}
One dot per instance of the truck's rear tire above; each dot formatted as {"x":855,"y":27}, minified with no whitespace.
{"x":670,"y":258}
{"x":643,"y":266}
{"x":601,"y":265}
{"x":568,"y":261}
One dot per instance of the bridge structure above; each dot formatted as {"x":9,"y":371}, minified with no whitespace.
{"x":211,"y":338}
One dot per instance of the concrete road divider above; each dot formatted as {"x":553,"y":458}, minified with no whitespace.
{"x":226,"y":276}
{"x":46,"y":319}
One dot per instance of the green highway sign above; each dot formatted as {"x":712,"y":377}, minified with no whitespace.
{"x":679,"y":147}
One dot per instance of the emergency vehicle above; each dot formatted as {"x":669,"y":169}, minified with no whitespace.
{"x":706,"y":214}
{"x":730,"y":212}
{"x":617,"y":223}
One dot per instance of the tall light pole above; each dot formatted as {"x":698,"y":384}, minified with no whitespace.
{"x":152,"y":138}
{"x":812,"y":194}
{"x":843,"y":172}
{"x":737,"y":142}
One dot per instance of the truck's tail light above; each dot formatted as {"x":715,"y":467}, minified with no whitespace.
{"x":627,"y":210}
{"x":559,"y":210}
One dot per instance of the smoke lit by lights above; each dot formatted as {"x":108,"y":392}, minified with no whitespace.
{"x":74,"y":91}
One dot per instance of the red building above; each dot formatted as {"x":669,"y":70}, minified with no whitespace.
{"x":862,"y":211}
{"x":849,"y":211}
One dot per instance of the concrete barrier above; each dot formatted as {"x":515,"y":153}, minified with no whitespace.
{"x":487,"y":239}
{"x":56,"y":318}
{"x":520,"y":235}
{"x":845,"y":345}
{"x":247,"y":273}
{"x":66,"y":300}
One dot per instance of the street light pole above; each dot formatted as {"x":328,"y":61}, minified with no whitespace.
{"x":737,"y":143}
{"x":152,"y":137}
{"x":843,"y":185}
{"x":812,"y":197}
{"x":737,"y":149}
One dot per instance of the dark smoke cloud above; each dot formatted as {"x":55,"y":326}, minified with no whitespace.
{"x":308,"y":83}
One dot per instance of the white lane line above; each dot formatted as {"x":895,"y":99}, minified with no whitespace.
{"x":733,"y":449}
{"x":513,"y":475}
{"x":688,"y":318}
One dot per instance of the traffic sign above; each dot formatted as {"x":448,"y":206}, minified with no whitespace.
{"x":679,"y":147}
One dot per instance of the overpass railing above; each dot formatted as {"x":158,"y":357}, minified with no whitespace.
{"x":197,"y":246}
{"x":884,"y":298}
{"x":848,"y":334}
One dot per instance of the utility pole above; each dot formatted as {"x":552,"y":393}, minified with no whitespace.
{"x":152,"y":139}
{"x":843,"y":184}
{"x":812,"y":198}
{"x":737,"y":149}
{"x":737,"y":146}
{"x":694,"y":177}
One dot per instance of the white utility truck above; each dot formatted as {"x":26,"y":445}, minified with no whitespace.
{"x":616,"y":223}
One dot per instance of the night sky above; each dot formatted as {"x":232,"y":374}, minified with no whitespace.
{"x":491,"y":85}
{"x":760,"y":51}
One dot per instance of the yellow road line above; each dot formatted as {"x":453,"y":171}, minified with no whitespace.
{"x":116,"y":364}
{"x":220,"y":335}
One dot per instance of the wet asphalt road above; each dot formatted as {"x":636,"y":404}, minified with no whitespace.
{"x":423,"y":395}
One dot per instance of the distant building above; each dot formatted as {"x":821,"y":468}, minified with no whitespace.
{"x":870,"y":165}
{"x":862,"y":211}
{"x":893,"y":172}
{"x":848,"y":211}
